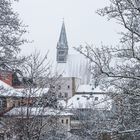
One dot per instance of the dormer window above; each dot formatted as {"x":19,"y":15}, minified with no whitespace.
{"x":78,"y":98}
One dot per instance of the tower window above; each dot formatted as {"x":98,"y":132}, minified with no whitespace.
{"x":66,"y":121}
{"x":62,"y":121}
{"x":61,"y":52}
{"x":68,"y":87}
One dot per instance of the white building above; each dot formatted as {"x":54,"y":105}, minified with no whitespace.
{"x":50,"y":119}
{"x":88,"y":98}
{"x":66,"y":87}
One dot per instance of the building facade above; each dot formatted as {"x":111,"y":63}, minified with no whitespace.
{"x":66,"y":87}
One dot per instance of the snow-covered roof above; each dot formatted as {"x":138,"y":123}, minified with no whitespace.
{"x":6,"y":67}
{"x":93,"y":101}
{"x":85,"y":88}
{"x":89,"y":89}
{"x":88,"y":97}
{"x":7,"y":90}
{"x":116,"y":61}
{"x":76,"y":66}
{"x":33,"y":92}
{"x":36,"y":111}
{"x":99,"y":89}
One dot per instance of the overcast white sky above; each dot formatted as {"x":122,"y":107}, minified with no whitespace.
{"x":44,"y":18}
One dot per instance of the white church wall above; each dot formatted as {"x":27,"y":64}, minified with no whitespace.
{"x":67,"y":86}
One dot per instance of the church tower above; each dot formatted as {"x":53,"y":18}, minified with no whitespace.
{"x":62,"y":46}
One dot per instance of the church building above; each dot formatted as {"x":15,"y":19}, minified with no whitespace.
{"x":68,"y":64}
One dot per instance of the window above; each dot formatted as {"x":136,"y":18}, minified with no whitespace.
{"x":66,"y":95}
{"x":96,"y":98}
{"x":52,"y":86}
{"x":61,"y":52}
{"x":62,"y":121}
{"x":78,"y":98}
{"x":17,"y":103}
{"x":60,"y":95}
{"x":67,"y":121}
{"x":59,"y":87}
{"x":68,"y":87}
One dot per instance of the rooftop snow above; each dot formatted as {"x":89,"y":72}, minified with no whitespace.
{"x":85,"y":88}
{"x":76,"y":66}
{"x":7,"y":90}
{"x":95,"y":101}
{"x":89,"y":89}
{"x":36,"y":111}
{"x":34,"y":92}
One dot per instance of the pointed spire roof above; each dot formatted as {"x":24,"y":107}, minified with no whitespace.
{"x":63,"y":38}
